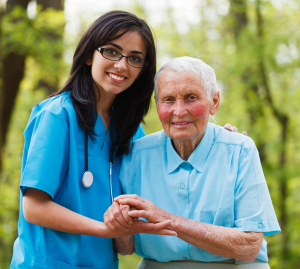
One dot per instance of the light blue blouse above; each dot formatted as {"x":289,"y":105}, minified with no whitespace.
{"x":222,"y":183}
{"x":54,"y":162}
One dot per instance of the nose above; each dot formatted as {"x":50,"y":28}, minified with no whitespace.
{"x":121,"y":65}
{"x":179,"y":108}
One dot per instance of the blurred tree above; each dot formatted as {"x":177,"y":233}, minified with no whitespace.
{"x":31,"y":51}
{"x":15,"y":51}
{"x":51,"y":85}
{"x":12,"y":67}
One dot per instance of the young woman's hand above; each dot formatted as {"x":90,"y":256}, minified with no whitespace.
{"x":116,"y":217}
{"x":39,"y":209}
{"x":230,"y":128}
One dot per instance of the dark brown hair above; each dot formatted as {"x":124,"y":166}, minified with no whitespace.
{"x":131,"y":105}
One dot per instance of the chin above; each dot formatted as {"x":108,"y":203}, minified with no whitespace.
{"x":180,"y":137}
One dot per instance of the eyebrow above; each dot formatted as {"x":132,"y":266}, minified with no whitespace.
{"x":120,"y":48}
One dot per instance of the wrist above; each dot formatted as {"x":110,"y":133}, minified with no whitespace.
{"x":103,"y":231}
{"x":173,"y":224}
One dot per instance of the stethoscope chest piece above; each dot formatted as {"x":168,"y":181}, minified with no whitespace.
{"x":87,"y":179}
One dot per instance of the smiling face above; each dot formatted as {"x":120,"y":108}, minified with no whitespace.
{"x":183,"y":107}
{"x":113,"y":77}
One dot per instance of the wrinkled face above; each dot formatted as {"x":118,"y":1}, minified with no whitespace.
{"x":183,"y":107}
{"x":113,"y":77}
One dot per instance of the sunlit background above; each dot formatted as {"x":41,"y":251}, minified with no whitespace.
{"x":253,"y":45}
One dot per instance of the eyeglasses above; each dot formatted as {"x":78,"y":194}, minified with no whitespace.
{"x":113,"y":55}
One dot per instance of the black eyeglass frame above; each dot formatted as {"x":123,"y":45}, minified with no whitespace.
{"x":101,"y":50}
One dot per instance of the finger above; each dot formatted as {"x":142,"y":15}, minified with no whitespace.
{"x":244,"y":133}
{"x":117,"y":226}
{"x":118,"y":214}
{"x":109,"y":217}
{"x":152,"y":226}
{"x":155,"y":228}
{"x":108,"y":224}
{"x":124,"y":210}
{"x":166,"y":232}
{"x":227,"y":126}
{"x":234,"y":129}
{"x":132,"y":202}
{"x":123,"y":196}
{"x":139,"y":214}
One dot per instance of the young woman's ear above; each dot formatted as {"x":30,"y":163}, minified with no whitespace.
{"x":89,"y":61}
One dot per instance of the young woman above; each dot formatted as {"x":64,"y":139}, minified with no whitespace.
{"x":71,"y":141}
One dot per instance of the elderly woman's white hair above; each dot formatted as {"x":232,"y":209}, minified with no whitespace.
{"x":180,"y":64}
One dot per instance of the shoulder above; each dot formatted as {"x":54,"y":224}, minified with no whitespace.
{"x":148,"y":142}
{"x":59,"y":106}
{"x":225,"y":137}
{"x":54,"y":112}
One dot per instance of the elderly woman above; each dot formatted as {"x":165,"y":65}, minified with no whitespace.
{"x":207,"y":181}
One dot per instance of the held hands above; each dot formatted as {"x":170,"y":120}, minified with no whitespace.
{"x":122,"y":217}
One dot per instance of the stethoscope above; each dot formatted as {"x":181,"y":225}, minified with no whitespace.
{"x":88,"y":178}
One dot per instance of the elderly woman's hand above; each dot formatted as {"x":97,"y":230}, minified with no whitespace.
{"x":222,"y":241}
{"x":144,"y":208}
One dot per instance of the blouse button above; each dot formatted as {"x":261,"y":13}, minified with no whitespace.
{"x":182,"y":186}
{"x":259,"y":226}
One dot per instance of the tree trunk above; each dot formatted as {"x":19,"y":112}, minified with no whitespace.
{"x":283,"y":120}
{"x":239,"y":22}
{"x":57,"y":5}
{"x":12,"y":66}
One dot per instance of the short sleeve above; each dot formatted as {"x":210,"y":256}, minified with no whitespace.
{"x":46,"y":164}
{"x":254,"y":211}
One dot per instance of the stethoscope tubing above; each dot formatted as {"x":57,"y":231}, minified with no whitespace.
{"x":87,"y":172}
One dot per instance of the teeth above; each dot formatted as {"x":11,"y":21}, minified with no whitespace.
{"x":116,"y":77}
{"x":181,"y":123}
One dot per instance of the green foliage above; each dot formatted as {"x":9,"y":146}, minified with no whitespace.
{"x":40,"y":38}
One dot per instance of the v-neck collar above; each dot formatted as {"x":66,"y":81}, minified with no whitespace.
{"x":198,"y":157}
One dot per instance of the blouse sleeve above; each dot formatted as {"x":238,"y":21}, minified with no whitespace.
{"x":253,"y":206}
{"x":47,"y":147}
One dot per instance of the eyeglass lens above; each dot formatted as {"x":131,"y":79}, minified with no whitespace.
{"x":113,"y":55}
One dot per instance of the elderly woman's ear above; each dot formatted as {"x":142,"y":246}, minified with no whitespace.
{"x":215,"y":103}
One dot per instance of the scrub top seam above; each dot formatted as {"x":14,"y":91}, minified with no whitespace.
{"x":57,"y":115}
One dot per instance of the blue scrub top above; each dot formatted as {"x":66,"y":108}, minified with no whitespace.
{"x":222,"y":183}
{"x":54,"y":162}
